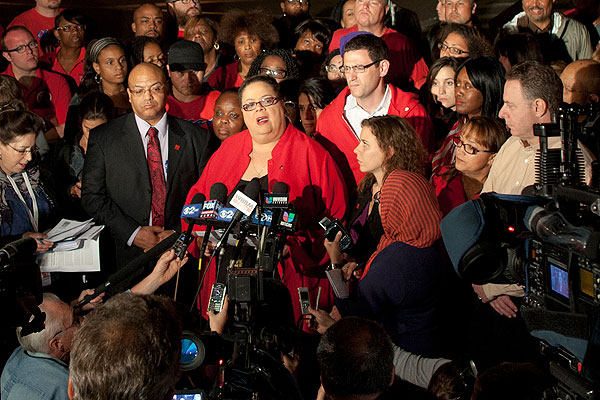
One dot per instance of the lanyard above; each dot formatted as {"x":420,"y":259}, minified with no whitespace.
{"x":33,"y":218}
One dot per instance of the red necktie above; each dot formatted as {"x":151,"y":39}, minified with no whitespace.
{"x":157,"y":178}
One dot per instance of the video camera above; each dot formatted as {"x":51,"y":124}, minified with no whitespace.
{"x":548,"y":241}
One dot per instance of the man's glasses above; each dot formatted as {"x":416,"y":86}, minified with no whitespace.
{"x":71,"y":28}
{"x":266,"y":102}
{"x":357,"y":68}
{"x":468,"y":148}
{"x":154,"y":90}
{"x":453,"y":50}
{"x":275,"y":73}
{"x":21,"y":49}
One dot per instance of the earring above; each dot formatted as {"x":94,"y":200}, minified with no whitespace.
{"x":216,"y":45}
{"x":236,"y":57}
{"x":98,"y":78}
{"x":0,"y":156}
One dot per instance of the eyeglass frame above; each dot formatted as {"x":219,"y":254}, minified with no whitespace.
{"x":32,"y":46}
{"x":345,"y":69}
{"x":156,"y":89}
{"x":68,"y":28}
{"x":333,"y":68}
{"x":273,"y":72}
{"x":454,"y":50}
{"x":457,"y":141}
{"x":251,"y":106}
{"x":31,"y":151}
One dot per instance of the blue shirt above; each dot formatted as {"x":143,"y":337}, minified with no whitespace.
{"x":34,"y":376}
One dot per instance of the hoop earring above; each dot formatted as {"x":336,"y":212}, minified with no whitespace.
{"x":98,"y":79}
{"x":236,"y":57}
{"x":216,"y":46}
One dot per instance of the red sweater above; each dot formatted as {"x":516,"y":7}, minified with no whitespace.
{"x":225,"y":77}
{"x":406,"y":64}
{"x":316,"y":189}
{"x":337,"y":136}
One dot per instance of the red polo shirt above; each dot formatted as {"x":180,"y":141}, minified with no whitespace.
{"x":48,"y":96}
{"x":35,"y":22}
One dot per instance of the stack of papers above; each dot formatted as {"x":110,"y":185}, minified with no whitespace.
{"x":76,"y":247}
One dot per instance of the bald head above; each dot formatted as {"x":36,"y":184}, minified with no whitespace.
{"x":147,"y":92}
{"x":147,"y":21}
{"x":581,"y":82}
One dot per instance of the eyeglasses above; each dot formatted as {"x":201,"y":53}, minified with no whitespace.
{"x":290,"y":105}
{"x":453,"y":50}
{"x":275,"y":73}
{"x":467,"y":147}
{"x":71,"y":28}
{"x":357,"y":68}
{"x":31,"y":150}
{"x":298,"y":1}
{"x":266,"y":102}
{"x":333,"y":68}
{"x":186,"y":1}
{"x":154,"y":90}
{"x":21,"y":49}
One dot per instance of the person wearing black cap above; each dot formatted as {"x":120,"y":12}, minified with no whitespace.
{"x":191,"y":99}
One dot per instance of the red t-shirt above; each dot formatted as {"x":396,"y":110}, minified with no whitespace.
{"x":48,"y":96}
{"x":406,"y":64}
{"x":198,"y":112}
{"x":76,"y":72}
{"x":37,"y":24}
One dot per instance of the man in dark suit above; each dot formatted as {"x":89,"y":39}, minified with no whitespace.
{"x":140,"y":167}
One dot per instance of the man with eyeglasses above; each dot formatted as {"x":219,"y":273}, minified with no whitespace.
{"x":45,"y":92}
{"x":139,"y":167}
{"x":181,"y":11}
{"x":367,"y":95}
{"x":191,"y":99}
{"x":407,"y":68}
{"x":69,"y":58}
{"x":38,"y":20}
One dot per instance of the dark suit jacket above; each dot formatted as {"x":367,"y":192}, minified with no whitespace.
{"x":116,"y":187}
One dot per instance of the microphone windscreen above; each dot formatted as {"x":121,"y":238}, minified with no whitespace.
{"x":218,"y":191}
{"x":281,"y":187}
{"x":198,"y":198}
{"x":252,"y":189}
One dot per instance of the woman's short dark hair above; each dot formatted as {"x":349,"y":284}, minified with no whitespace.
{"x":194,"y":20}
{"x":319,"y":30}
{"x":488,"y":131}
{"x":71,"y":16}
{"x":338,"y":12}
{"x":487,"y":75}
{"x":259,"y":78}
{"x":319,"y":90}
{"x":17,"y":123}
{"x":285,"y":55}
{"x":138,"y":44}
{"x":519,"y":47}
{"x":96,"y":105}
{"x":255,"y":22}
{"x":477,"y":45}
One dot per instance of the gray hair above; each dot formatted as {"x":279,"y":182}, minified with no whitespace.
{"x":38,"y":342}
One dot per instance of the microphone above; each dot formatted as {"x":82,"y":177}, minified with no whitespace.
{"x":20,"y":247}
{"x":190,"y":214}
{"x":132,"y":269}
{"x":244,"y":202}
{"x":218,"y":196}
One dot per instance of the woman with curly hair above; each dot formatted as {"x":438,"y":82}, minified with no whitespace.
{"x":461,"y":41}
{"x":249,"y":32}
{"x":277,"y":63}
{"x":387,"y":143}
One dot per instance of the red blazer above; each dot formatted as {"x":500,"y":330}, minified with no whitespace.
{"x":337,"y":136}
{"x":316,"y":189}
{"x":448,"y":189}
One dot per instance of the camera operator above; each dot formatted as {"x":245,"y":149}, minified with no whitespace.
{"x":38,"y":369}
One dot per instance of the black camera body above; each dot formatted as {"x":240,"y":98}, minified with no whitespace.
{"x":331,"y":230}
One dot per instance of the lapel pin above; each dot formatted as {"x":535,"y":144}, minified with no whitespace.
{"x":176,"y":147}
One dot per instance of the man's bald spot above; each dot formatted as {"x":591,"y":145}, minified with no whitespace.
{"x":144,"y":7}
{"x":145,"y":68}
{"x":585,"y":74}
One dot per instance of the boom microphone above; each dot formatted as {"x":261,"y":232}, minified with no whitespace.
{"x":190,"y":212}
{"x":131,"y":270}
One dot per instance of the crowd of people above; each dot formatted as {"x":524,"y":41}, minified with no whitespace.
{"x":362,"y":116}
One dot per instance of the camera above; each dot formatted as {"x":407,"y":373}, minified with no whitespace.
{"x":331,"y":230}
